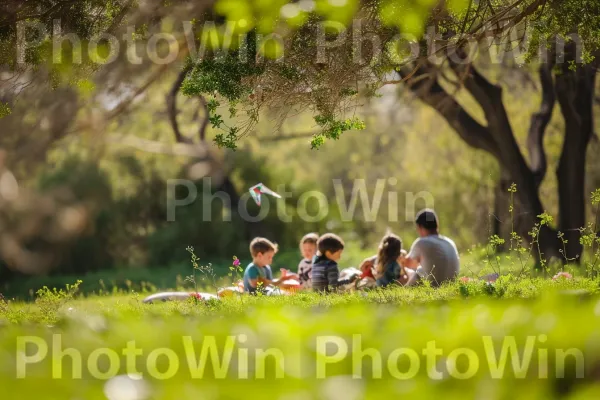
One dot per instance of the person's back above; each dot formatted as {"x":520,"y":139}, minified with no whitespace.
{"x":438,"y":257}
{"x":391,"y":274}
{"x":432,"y":256}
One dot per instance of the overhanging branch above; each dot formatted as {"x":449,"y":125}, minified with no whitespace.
{"x":199,"y":151}
{"x":172,"y":105}
{"x":172,"y":110}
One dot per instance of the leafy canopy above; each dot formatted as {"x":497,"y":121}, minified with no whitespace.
{"x":277,"y":56}
{"x":308,"y":68}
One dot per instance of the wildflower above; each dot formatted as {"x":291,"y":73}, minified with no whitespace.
{"x":196,"y":296}
{"x":236,"y":261}
{"x":564,"y":275}
{"x":465,"y":279}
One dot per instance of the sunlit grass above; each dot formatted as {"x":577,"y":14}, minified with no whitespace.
{"x":565,"y":314}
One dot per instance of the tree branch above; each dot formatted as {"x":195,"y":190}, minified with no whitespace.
{"x":498,"y":16}
{"x":282,"y":137}
{"x":122,"y":106}
{"x":172,"y":110}
{"x":199,"y":151}
{"x":205,"y":121}
{"x":56,"y":8}
{"x":432,"y":93}
{"x":172,"y":105}
{"x":539,"y":124}
{"x":119,"y":18}
{"x":487,"y":94}
{"x":489,"y":97}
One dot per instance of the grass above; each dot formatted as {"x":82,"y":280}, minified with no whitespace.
{"x":152,"y":278}
{"x":525,"y":335}
{"x":475,"y":262}
{"x":544,"y":318}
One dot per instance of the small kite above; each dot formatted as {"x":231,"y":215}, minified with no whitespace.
{"x":256,"y":191}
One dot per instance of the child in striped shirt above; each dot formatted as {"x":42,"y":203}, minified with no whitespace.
{"x":325,"y":272}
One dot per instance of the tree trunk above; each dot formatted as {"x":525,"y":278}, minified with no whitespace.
{"x":497,"y":138}
{"x":512,"y":161}
{"x":575,"y":93}
{"x":538,"y":124}
{"x":501,"y":224}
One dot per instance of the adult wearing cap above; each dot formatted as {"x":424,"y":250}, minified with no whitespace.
{"x":432,"y":257}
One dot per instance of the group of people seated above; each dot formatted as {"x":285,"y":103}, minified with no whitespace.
{"x":432,"y":257}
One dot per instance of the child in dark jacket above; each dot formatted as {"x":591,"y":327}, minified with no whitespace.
{"x":325,"y":272}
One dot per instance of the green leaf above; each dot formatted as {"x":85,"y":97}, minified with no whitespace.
{"x":545,"y":219}
{"x":596,"y":197}
{"x":5,"y":110}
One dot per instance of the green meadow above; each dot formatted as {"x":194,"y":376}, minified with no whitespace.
{"x":136,"y":134}
{"x":530,"y":337}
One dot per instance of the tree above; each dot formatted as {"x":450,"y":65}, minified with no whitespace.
{"x":277,"y":56}
{"x":52,"y":87}
{"x":564,"y":33}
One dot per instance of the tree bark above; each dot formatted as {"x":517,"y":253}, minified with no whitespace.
{"x":172,"y":106}
{"x":575,"y":92}
{"x":539,"y":123}
{"x":501,"y":218}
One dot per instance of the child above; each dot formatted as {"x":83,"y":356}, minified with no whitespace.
{"x":259,"y":270}
{"x":308,"y":248}
{"x":387,"y":268}
{"x":367,"y":276}
{"x":325,"y":272}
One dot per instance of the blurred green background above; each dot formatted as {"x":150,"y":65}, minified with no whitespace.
{"x":129,"y":236}
{"x":95,"y":144}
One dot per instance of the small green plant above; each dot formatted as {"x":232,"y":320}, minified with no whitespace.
{"x":235,"y":269}
{"x":236,"y":272}
{"x":545,"y":220}
{"x":591,"y":240}
{"x":9,"y":313}
{"x":207,"y":273}
{"x":3,"y":304}
{"x":517,"y":247}
{"x":463,"y":288}
{"x":49,"y":301}
{"x":494,"y":242}
{"x":261,"y":289}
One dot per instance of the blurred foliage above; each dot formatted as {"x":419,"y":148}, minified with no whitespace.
{"x":117,"y":199}
{"x":87,"y":185}
{"x":4,"y":110}
{"x":308,"y":81}
{"x":538,"y":317}
{"x":126,"y":189}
